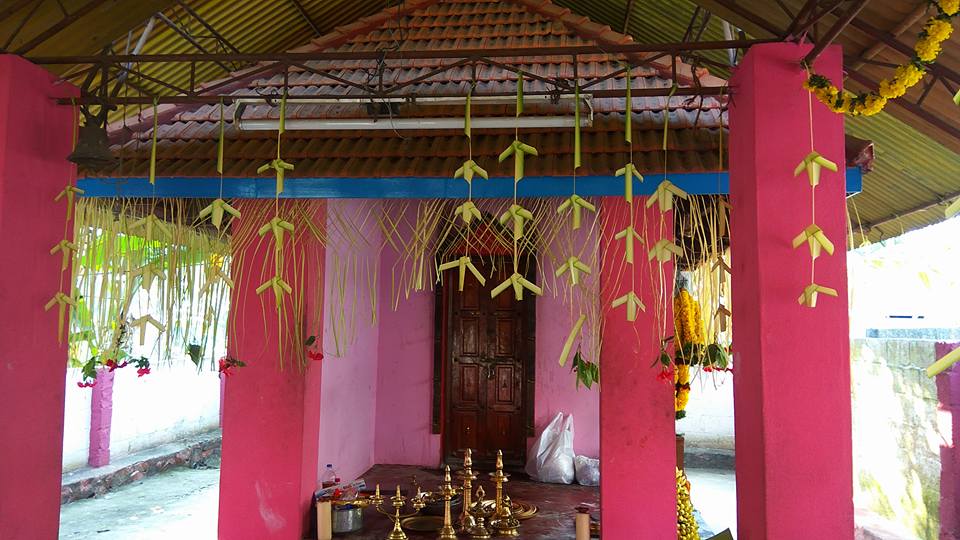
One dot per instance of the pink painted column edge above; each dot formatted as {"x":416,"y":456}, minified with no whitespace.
{"x":35,"y":139}
{"x":101,"y":418}
{"x":948,"y":394}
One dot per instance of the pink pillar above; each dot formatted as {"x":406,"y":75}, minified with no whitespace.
{"x":792,"y":363}
{"x":637,"y":432}
{"x":271,"y":418}
{"x":948,"y":393}
{"x":101,"y":417}
{"x":35,"y":139}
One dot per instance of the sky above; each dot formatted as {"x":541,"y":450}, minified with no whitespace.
{"x":912,"y":281}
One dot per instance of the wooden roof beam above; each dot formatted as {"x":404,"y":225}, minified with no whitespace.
{"x":15,"y":7}
{"x":897,"y":45}
{"x":306,"y":17}
{"x":213,"y":31}
{"x":834,"y":31}
{"x":55,"y":29}
{"x":909,"y":106}
{"x":904,"y":25}
{"x":190,"y":39}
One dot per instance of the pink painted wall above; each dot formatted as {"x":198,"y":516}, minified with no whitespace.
{"x":349,"y":388}
{"x":556,"y":387}
{"x":271,"y":418}
{"x":405,"y":375}
{"x":948,"y":393}
{"x":793,"y":425}
{"x":35,"y":137}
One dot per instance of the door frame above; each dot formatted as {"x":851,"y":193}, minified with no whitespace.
{"x":443,"y":317}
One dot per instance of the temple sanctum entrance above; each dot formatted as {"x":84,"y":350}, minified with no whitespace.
{"x":488,"y":368}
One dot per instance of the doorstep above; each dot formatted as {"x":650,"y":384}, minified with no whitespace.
{"x":89,"y":482}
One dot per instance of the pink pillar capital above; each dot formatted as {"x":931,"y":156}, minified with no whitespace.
{"x":791,"y":363}
{"x":35,"y":139}
{"x":637,"y":432}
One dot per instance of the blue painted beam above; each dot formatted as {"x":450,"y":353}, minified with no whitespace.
{"x":406,"y":187}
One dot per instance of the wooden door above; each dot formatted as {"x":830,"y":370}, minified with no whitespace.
{"x":490,"y":363}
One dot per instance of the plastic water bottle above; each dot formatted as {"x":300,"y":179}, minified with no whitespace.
{"x":330,"y":477}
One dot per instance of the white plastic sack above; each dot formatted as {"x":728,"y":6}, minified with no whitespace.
{"x":551,"y":458}
{"x":588,"y":470}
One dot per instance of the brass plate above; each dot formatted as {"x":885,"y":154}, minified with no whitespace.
{"x":422,"y":523}
{"x":521,"y":509}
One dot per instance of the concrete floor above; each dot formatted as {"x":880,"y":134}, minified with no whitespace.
{"x":182,"y":503}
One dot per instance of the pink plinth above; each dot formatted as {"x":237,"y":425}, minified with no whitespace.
{"x":270,"y":417}
{"x":948,"y":393}
{"x":637,"y":433}
{"x":792,"y":363}
{"x":101,"y":418}
{"x":35,"y":139}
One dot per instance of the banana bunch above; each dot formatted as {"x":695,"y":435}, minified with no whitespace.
{"x":687,"y":528}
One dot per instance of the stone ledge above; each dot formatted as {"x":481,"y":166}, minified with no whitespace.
{"x":708,"y":458}
{"x":94,"y":482}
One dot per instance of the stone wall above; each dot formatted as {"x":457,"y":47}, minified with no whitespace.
{"x":897,"y":433}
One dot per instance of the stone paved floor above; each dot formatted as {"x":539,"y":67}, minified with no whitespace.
{"x":182,"y":504}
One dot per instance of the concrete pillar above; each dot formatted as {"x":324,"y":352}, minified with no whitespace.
{"x":101,"y":418}
{"x":792,"y":363}
{"x":637,"y":432}
{"x":948,"y":394}
{"x":271,"y":417}
{"x":35,"y":139}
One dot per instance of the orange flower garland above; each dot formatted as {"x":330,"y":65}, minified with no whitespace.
{"x":937,"y":30}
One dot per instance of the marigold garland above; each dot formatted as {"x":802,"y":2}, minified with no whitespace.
{"x":937,"y":30}
{"x":688,"y":330}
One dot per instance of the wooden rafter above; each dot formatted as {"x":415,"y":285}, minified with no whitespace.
{"x":60,"y":25}
{"x":213,"y":31}
{"x":14,"y":7}
{"x":903,"y":26}
{"x":189,"y":38}
{"x":306,"y":17}
{"x":628,"y":10}
{"x":834,"y":31}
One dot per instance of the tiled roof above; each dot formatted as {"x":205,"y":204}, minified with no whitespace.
{"x":187,"y":141}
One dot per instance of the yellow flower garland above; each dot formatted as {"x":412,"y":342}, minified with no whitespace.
{"x":937,"y":30}
{"x":688,"y":330}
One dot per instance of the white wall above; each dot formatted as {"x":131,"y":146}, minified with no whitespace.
{"x":709,"y":420}
{"x":76,"y":423}
{"x":170,"y":403}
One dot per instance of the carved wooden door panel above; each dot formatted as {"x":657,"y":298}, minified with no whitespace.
{"x":486,"y":387}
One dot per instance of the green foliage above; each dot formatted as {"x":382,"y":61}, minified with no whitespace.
{"x":587,"y":372}
{"x":195,"y":352}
